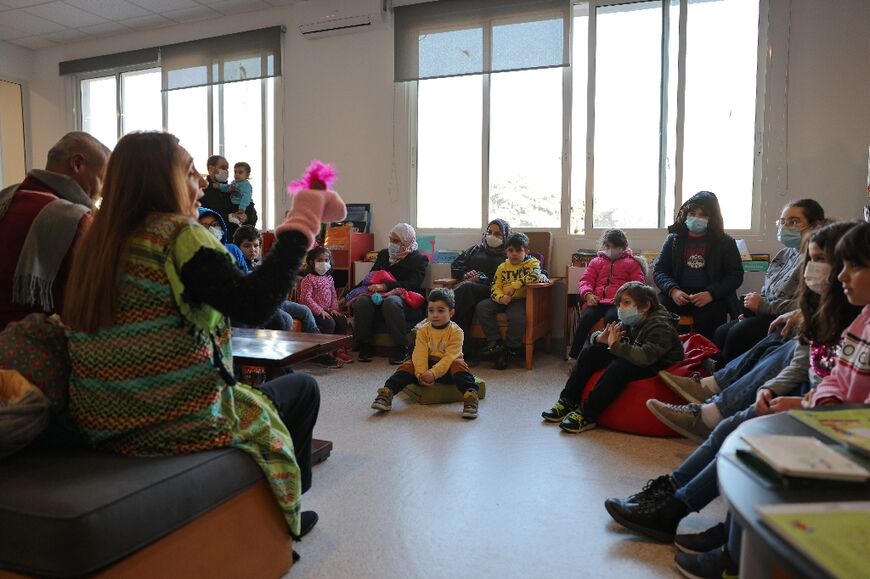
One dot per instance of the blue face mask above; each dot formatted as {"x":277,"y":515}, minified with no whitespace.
{"x":393,"y":248}
{"x":629,"y":316}
{"x":789,"y":236}
{"x":697,"y":224}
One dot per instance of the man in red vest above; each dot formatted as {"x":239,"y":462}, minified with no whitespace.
{"x":40,"y":220}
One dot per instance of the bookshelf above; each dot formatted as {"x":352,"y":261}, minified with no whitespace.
{"x":358,"y":244}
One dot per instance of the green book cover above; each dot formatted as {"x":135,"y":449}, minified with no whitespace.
{"x":850,"y":426}
{"x":836,"y":536}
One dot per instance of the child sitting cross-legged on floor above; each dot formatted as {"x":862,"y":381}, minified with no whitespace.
{"x":437,"y":357}
{"x":642,"y":343}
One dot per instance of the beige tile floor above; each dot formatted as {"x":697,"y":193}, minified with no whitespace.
{"x":420,"y":492}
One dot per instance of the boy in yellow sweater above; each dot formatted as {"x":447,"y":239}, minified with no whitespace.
{"x":508,"y":293}
{"x":437,"y":357}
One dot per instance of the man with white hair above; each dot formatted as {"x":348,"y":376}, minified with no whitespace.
{"x":40,"y":220}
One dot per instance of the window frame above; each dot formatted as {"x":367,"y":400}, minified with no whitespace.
{"x":568,"y":88}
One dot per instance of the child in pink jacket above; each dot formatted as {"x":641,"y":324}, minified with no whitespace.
{"x":606,"y":273}
{"x":317,"y":291}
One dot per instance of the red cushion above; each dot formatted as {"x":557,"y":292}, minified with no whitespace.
{"x":629,"y":413}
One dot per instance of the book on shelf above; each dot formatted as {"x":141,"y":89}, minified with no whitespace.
{"x":804,"y":457}
{"x":850,"y":426}
{"x":834,"y":535}
{"x":426,"y":246}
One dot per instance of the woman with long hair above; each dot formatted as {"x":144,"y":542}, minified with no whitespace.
{"x":150,"y":296}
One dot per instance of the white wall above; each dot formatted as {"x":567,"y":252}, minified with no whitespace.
{"x":340,"y":105}
{"x":16,"y":65}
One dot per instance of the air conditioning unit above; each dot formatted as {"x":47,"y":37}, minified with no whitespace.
{"x":317,"y":18}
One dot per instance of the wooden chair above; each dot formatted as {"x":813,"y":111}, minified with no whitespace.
{"x":539,"y":304}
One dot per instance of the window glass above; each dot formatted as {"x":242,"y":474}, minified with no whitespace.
{"x":188,"y":120}
{"x":627,"y":115}
{"x":720,"y":104}
{"x":142,"y":101}
{"x":243,"y":126}
{"x":525,"y":147}
{"x":100,"y":109}
{"x":449,"y":152}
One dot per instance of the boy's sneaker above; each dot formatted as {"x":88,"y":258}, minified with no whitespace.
{"x":663,"y":485}
{"x":328,"y":361}
{"x":470,"y":403}
{"x":714,"y":564}
{"x":689,"y":388}
{"x":492,"y":349}
{"x":344,"y":356}
{"x":697,"y":543}
{"x":366,"y":353}
{"x":575,"y":422}
{"x":559,"y":411}
{"x":384,"y":400}
{"x":685,"y":419}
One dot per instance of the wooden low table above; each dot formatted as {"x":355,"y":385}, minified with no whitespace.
{"x":274,"y":349}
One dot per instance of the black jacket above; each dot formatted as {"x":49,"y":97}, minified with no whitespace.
{"x":476,"y":258}
{"x":409,"y":272}
{"x":724,"y":267}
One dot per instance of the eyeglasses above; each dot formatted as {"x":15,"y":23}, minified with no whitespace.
{"x":790,"y":222}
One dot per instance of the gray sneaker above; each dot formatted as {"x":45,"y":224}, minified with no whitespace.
{"x":470,"y":403}
{"x":684,"y":419}
{"x":384,"y":401}
{"x":689,"y":388}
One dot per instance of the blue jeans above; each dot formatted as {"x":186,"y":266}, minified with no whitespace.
{"x":696,"y":477}
{"x":741,"y":392}
{"x":303,"y":314}
{"x":746,"y":361}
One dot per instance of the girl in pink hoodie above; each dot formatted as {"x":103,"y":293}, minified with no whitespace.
{"x":849,"y":381}
{"x":614,"y":265}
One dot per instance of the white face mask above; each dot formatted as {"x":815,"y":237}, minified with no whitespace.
{"x":222,"y":175}
{"x":321,"y":267}
{"x":494,"y":241}
{"x":217,"y":232}
{"x":816,"y":275}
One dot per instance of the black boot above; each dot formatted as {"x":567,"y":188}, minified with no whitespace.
{"x":663,"y":485}
{"x":657,"y":518}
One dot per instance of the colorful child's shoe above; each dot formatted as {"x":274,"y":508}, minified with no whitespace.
{"x":344,"y":356}
{"x":575,"y":422}
{"x":559,"y":411}
{"x":384,"y":400}
{"x":470,"y":402}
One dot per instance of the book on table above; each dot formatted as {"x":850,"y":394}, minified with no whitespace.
{"x":834,"y":535}
{"x":850,"y":426}
{"x":804,"y":457}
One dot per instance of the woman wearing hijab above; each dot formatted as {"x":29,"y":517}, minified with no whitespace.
{"x":407,"y":265}
{"x":474,"y":269}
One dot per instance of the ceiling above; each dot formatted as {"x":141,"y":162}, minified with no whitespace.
{"x":36,"y":24}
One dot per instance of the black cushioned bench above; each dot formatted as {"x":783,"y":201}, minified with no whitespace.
{"x":79,"y":512}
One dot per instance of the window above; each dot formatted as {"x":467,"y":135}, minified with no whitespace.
{"x":235,"y":128}
{"x":644,"y":117}
{"x":216,"y":95}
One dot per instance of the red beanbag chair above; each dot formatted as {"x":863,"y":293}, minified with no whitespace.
{"x":629,"y":413}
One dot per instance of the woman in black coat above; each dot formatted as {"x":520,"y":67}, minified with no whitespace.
{"x":405,"y":262}
{"x":473,"y":270}
{"x":699,"y":269}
